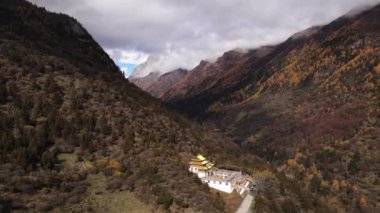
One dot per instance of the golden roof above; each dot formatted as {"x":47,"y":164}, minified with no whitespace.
{"x":200,"y":157}
{"x":201,"y":162}
{"x":198,"y":162}
{"x":204,"y":167}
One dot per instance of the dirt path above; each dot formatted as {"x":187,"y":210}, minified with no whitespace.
{"x":246,"y":204}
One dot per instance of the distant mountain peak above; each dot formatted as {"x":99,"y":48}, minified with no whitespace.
{"x":146,"y":68}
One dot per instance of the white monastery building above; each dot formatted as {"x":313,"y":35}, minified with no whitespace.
{"x":220,"y":179}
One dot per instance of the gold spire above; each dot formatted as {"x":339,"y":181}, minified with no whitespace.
{"x":201,"y":163}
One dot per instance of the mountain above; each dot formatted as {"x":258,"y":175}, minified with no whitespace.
{"x":76,"y":136}
{"x":202,"y":77}
{"x":157,"y":84}
{"x":165,"y":82}
{"x":140,"y":78}
{"x":145,"y":68}
{"x":207,"y":75}
{"x":309,"y":105}
{"x":145,"y":82}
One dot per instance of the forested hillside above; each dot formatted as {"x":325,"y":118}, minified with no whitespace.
{"x":67,"y":113}
{"x":76,"y":136}
{"x":309,"y":105}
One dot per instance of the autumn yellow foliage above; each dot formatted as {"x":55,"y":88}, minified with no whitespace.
{"x":314,"y":169}
{"x":292,"y":162}
{"x":114,"y":164}
{"x":335,"y":185}
{"x":363,"y":203}
{"x":377,"y":69}
{"x":117,"y":172}
{"x":355,"y":188}
{"x":101,"y":163}
{"x":41,"y":119}
{"x":344,"y":184}
{"x":324,"y":184}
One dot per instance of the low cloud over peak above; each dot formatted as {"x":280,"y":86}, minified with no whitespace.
{"x":183,"y":32}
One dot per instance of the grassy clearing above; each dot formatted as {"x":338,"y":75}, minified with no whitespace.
{"x":68,"y":160}
{"x":98,"y":199}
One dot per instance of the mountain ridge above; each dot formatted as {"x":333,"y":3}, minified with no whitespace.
{"x":75,"y":135}
{"x":310,"y":106}
{"x":73,"y":128}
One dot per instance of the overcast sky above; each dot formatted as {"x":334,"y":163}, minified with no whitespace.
{"x":180,"y":33}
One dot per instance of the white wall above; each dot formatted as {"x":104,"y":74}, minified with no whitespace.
{"x":222,"y":186}
{"x":201,"y":174}
{"x":195,"y":170}
{"x":191,"y":169}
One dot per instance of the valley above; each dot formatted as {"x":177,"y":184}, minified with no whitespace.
{"x":309,"y":105}
{"x":299,"y":121}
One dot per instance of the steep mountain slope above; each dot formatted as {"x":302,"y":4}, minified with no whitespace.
{"x":145,"y":82}
{"x":310,"y":106}
{"x":68,"y":116}
{"x":142,"y":69}
{"x":75,"y":136}
{"x":165,"y":82}
{"x":157,"y":84}
{"x":202,"y":77}
{"x":140,"y":78}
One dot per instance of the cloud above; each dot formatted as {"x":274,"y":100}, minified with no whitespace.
{"x":183,"y":32}
{"x":127,"y":56}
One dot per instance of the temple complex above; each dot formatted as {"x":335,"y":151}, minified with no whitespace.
{"x":220,"y":179}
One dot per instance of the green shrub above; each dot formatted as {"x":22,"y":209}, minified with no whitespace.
{"x":165,"y":199}
{"x":289,"y":207}
{"x":182,"y":203}
{"x":353,"y":167}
